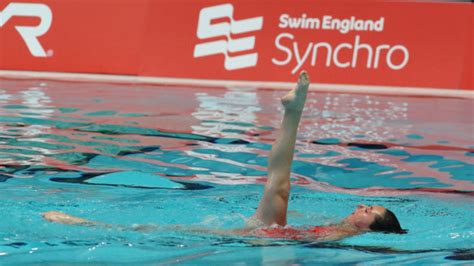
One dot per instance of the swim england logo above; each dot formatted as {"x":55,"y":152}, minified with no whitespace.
{"x":29,"y":34}
{"x":206,"y":30}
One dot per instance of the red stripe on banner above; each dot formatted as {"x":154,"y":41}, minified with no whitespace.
{"x":383,"y":43}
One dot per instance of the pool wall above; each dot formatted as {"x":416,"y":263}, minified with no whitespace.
{"x":344,"y":44}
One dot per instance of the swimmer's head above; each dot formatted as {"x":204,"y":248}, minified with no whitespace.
{"x":375,"y":218}
{"x":387,"y":223}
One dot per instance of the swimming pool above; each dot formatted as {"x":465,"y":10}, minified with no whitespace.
{"x":196,"y":157}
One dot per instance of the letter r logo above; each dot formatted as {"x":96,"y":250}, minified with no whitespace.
{"x":29,"y":34}
{"x":206,"y":29}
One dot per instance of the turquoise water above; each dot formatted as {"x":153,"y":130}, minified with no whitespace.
{"x":196,"y":157}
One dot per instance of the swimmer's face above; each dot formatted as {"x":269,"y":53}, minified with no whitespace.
{"x":363,"y":216}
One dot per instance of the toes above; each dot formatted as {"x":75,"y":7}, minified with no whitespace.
{"x":303,"y":78}
{"x":303,"y":75}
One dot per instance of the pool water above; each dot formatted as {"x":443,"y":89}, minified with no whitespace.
{"x":195,"y":157}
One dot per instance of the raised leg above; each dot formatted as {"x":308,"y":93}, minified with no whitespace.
{"x":274,"y":203}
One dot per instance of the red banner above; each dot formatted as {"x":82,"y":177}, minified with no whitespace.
{"x":360,"y":42}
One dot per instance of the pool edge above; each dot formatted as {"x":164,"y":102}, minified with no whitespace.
{"x":322,"y":87}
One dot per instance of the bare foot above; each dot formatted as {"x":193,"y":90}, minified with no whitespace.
{"x":296,"y":98}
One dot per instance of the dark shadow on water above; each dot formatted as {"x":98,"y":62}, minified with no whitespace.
{"x":368,"y":146}
{"x":82,"y":180}
{"x":463,"y":254}
{"x":388,"y":145}
{"x":9,"y":171}
{"x":421,"y":190}
{"x":106,"y":129}
{"x":457,"y":254}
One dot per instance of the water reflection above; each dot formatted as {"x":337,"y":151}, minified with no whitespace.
{"x":231,"y":112}
{"x":224,"y":135}
{"x":28,"y":102}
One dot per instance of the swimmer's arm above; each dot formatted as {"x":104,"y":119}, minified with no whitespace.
{"x":191,"y":229}
{"x":63,"y":218}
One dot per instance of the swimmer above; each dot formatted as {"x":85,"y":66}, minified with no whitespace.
{"x":270,"y":219}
